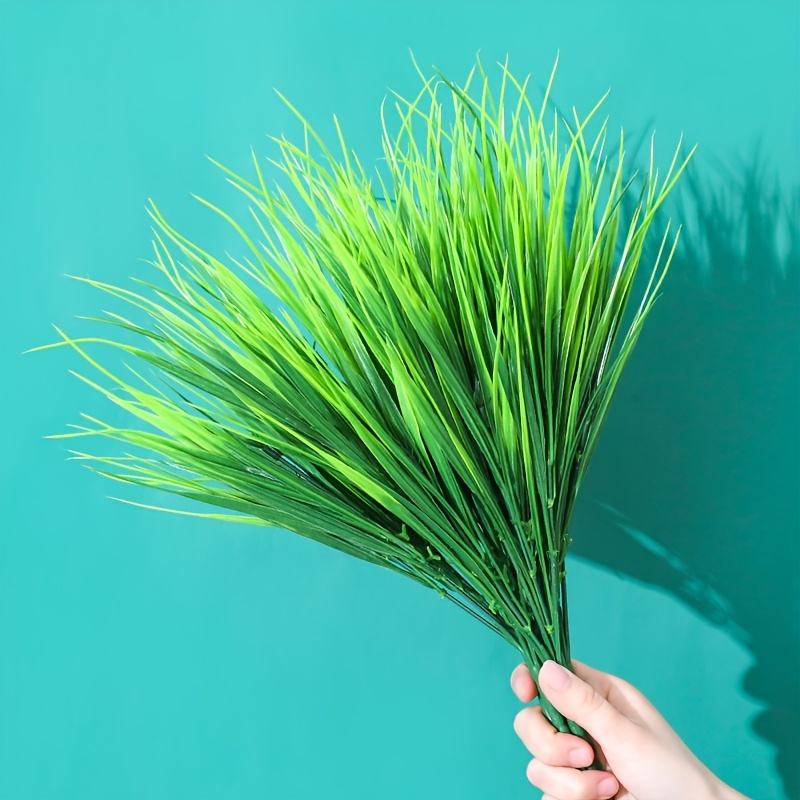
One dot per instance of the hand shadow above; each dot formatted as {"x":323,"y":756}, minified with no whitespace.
{"x":701,"y":450}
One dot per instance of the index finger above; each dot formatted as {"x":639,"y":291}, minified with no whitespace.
{"x":523,"y":684}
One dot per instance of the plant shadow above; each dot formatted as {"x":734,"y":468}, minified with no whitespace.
{"x":706,"y":439}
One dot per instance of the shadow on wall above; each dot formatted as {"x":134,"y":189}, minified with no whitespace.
{"x":700,"y":494}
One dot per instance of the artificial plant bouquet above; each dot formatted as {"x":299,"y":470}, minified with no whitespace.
{"x":426,"y":385}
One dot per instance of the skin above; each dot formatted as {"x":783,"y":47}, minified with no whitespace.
{"x":644,"y":758}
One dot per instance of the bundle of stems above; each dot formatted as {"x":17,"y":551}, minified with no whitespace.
{"x":426,"y":385}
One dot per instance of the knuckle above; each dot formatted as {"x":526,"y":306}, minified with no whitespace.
{"x":534,"y":772}
{"x":520,"y":724}
{"x":581,"y":787}
{"x":591,"y":700}
{"x":538,"y":737}
{"x":549,"y":746}
{"x":560,"y":782}
{"x":621,"y":688}
{"x":548,"y":753}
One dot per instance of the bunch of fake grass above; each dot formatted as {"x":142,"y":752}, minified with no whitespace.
{"x":449,"y":337}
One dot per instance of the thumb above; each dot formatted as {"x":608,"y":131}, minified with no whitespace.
{"x":581,"y":703}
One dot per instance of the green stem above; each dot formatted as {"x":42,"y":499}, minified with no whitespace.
{"x":553,"y":715}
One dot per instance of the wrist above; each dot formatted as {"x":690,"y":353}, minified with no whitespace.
{"x":721,"y":791}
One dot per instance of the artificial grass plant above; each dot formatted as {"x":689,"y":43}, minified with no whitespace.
{"x":411,"y":366}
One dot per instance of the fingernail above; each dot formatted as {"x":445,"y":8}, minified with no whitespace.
{"x":515,"y":684}
{"x":556,"y":677}
{"x":607,"y":787}
{"x":579,"y":757}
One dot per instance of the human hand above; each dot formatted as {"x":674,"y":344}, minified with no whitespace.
{"x":643,"y":756}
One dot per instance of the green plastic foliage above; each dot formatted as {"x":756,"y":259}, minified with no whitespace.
{"x":449,"y":335}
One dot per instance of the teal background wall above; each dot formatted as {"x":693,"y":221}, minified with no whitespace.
{"x":153,"y":656}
